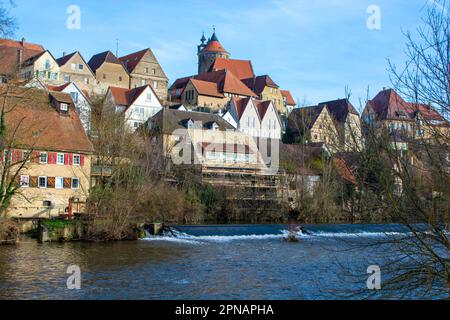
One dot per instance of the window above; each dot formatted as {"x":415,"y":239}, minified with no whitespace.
{"x":104,"y":76}
{"x":24,"y":181}
{"x":42,"y":182}
{"x":60,"y":158}
{"x":75,"y":183}
{"x":86,"y":80}
{"x":64,"y":107}
{"x":149,"y":97}
{"x":120,"y":78}
{"x":136,"y":124}
{"x":43,"y":158}
{"x":154,"y":71}
{"x":155,"y":85}
{"x":59,"y":183}
{"x":73,"y":66}
{"x":140,"y":111}
{"x":146,"y":70}
{"x":74,"y":96}
{"x":67,"y":78}
{"x":143,"y":82}
{"x":80,"y":67}
{"x":76,"y":160}
{"x":26,"y":155}
{"x":47,"y":64}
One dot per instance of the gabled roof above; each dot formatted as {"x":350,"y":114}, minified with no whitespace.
{"x":132,"y":60}
{"x":388,"y":105}
{"x":126,"y":97}
{"x":289,"y":99}
{"x":339,"y":109}
{"x":240,"y":104}
{"x":262,"y":107}
{"x":302,"y":119}
{"x":243,"y":69}
{"x":41,"y":126}
{"x":33,"y":59}
{"x":64,"y":86}
{"x":61,"y":97}
{"x":226,"y":82}
{"x":206,"y":88}
{"x":98,"y":60}
{"x":9,"y":50}
{"x":63,"y":60}
{"x":259,"y":83}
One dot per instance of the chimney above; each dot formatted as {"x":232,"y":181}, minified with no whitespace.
{"x":22,"y":42}
{"x":19,"y":58}
{"x":64,"y":53}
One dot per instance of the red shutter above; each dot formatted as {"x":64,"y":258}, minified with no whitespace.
{"x":35,"y":156}
{"x":16,"y":156}
{"x":81,"y":160}
{"x":70,"y":159}
{"x":66,"y":159}
{"x":52,"y":158}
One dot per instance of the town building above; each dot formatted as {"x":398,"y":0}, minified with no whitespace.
{"x":347,"y":122}
{"x":137,"y":105}
{"x":220,"y":78}
{"x":42,"y":66}
{"x":75,"y":69}
{"x":405,"y":120}
{"x":109,"y":72}
{"x":80,"y":100}
{"x":46,"y":136}
{"x":144,"y":69}
{"x":254,"y":117}
{"x":13,"y":54}
{"x":288,"y":101}
{"x":313,"y":125}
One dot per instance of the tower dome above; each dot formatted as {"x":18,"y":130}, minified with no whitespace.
{"x":210,"y":52}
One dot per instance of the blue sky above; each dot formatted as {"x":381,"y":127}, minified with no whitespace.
{"x":313,"y":48}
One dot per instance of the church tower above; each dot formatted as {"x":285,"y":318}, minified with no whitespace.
{"x":209,"y":52}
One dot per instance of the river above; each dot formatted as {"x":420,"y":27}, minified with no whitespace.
{"x":214,"y":262}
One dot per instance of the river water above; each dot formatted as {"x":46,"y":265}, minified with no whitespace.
{"x":214,"y":262}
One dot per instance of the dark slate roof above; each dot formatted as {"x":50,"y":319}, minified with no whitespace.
{"x":168,"y":120}
{"x":303,"y":119}
{"x":107,"y":56}
{"x":63,"y":60}
{"x":339,"y":109}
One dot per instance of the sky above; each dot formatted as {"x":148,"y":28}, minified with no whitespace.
{"x":315,"y":49}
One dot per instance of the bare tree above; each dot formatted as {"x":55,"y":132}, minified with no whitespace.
{"x":8,"y":23}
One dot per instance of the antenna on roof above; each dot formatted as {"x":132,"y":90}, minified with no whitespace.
{"x":117,"y":47}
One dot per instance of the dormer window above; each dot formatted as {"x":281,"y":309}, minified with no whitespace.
{"x":190,"y":124}
{"x":64,"y":107}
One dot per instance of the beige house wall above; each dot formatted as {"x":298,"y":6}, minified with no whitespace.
{"x":29,"y":72}
{"x":80,"y":77}
{"x":28,"y":202}
{"x":111,"y":74}
{"x":149,"y":71}
{"x":325,"y":131}
{"x":274,"y":95}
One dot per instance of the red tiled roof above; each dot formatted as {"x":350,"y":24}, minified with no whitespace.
{"x":344,"y":170}
{"x":41,"y":126}
{"x":262,"y":107}
{"x":132,"y":60}
{"x":226,"y":82}
{"x":9,"y":54}
{"x":243,"y":69}
{"x":57,"y":88}
{"x":126,"y":97}
{"x":388,"y":105}
{"x":214,"y":46}
{"x":240,"y":105}
{"x":289,"y":100}
{"x":206,"y":88}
